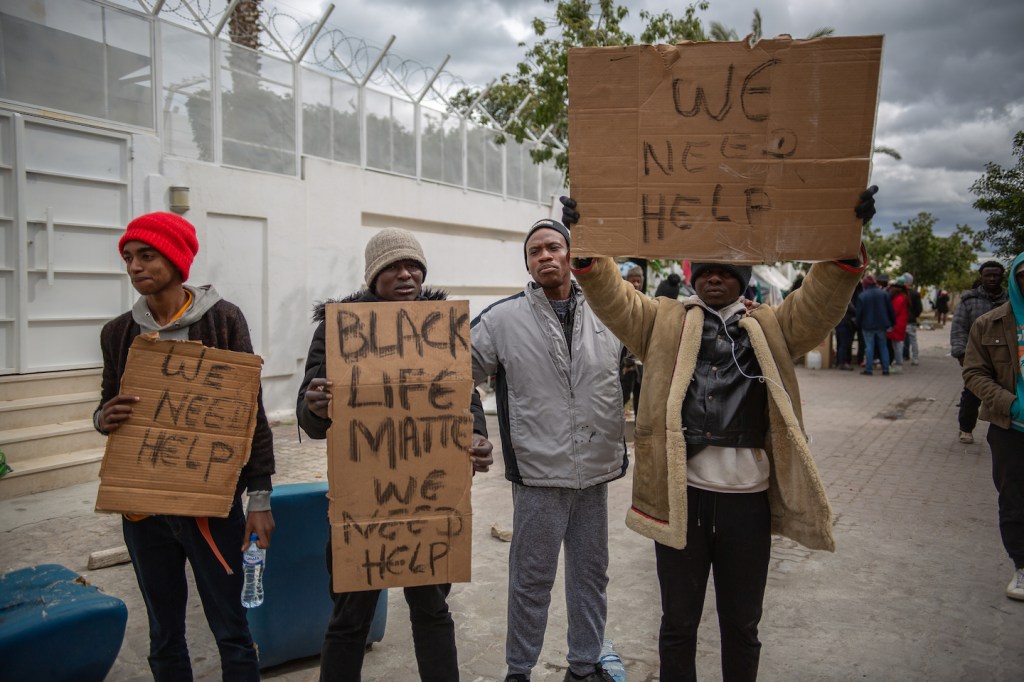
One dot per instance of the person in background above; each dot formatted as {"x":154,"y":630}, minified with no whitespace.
{"x":631,"y":370}
{"x":635,"y":276}
{"x":987,"y":295}
{"x":395,"y":268}
{"x":910,"y":349}
{"x":845,"y":331}
{"x":941,"y":307}
{"x":158,"y":250}
{"x":875,"y":315}
{"x":897,"y":334}
{"x":994,"y":371}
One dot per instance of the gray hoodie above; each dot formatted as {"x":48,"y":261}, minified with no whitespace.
{"x":203,"y":298}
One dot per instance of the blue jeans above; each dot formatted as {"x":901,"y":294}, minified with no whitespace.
{"x":872,"y":337}
{"x":433,"y":632}
{"x":159,"y":546}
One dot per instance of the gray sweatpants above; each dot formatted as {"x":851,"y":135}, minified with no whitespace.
{"x":543,"y":519}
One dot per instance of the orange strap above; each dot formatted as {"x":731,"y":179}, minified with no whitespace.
{"x":188,"y":302}
{"x":204,"y":528}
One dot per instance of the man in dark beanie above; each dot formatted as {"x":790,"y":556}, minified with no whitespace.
{"x":158,"y":249}
{"x":395,"y":270}
{"x":974,"y":303}
{"x":560,"y":411}
{"x":722,"y":461}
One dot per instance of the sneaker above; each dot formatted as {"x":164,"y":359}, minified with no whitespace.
{"x":1015,"y":590}
{"x":518,"y":677}
{"x":897,"y":369}
{"x":966,"y":437}
{"x":599,"y":675}
{"x":866,"y":372}
{"x":885,"y":372}
{"x":913,"y":363}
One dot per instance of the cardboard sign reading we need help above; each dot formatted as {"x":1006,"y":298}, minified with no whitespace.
{"x":397,"y":463}
{"x":720,"y":151}
{"x":190,"y":434}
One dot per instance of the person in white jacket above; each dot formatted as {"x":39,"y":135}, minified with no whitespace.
{"x":560,"y":417}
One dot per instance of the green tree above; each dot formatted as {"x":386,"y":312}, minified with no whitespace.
{"x":881,"y":249}
{"x":532,"y":101}
{"x":934,"y":260}
{"x":1000,"y":193}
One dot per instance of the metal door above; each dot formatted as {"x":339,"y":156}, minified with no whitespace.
{"x":64,"y":202}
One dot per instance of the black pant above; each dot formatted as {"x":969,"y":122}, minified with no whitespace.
{"x":433,"y":633}
{"x":844,"y":344}
{"x":1008,"y":474}
{"x":729,"y":533}
{"x":159,"y":546}
{"x":969,"y":404}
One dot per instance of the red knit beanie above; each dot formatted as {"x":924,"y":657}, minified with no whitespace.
{"x":171,"y":235}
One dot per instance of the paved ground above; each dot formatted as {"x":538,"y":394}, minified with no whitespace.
{"x":914,"y":591}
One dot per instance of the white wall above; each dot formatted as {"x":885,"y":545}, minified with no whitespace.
{"x":308,"y":236}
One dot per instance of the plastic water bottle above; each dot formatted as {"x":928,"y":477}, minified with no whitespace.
{"x":611,"y":662}
{"x":253,"y":561}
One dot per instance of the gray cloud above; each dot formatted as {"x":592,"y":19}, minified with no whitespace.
{"x":952,"y":84}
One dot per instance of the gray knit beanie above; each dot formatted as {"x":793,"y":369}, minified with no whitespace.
{"x":389,"y":246}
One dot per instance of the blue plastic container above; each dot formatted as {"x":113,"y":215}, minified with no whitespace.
{"x":54,"y":627}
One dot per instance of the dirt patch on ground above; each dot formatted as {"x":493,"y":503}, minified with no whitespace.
{"x":899,"y":410}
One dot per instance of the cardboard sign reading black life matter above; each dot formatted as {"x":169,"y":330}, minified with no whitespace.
{"x":720,"y":151}
{"x":190,"y":434}
{"x":398,"y":469}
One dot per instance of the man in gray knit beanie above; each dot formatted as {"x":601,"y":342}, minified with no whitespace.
{"x":389,"y":247}
{"x":395,"y":269}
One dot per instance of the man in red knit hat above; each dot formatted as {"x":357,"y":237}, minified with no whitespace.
{"x":158,"y":249}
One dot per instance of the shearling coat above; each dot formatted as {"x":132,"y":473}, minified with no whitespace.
{"x":666,"y":334}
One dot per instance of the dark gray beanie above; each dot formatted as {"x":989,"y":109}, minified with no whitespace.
{"x":540,"y":225}
{"x":740,"y":272}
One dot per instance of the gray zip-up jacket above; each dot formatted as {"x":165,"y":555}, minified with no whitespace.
{"x":560,"y":416}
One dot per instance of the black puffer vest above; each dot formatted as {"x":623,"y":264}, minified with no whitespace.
{"x":722,"y":406}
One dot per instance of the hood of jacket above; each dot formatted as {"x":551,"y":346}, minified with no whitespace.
{"x":203,"y":298}
{"x":367,"y":296}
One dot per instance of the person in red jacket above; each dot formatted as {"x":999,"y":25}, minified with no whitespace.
{"x":898,"y":333}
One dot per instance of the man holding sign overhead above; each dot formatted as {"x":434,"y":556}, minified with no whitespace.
{"x":393,"y":426}
{"x":158,"y":249}
{"x":722,"y":461}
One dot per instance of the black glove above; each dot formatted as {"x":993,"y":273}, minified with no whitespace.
{"x":865,"y":209}
{"x":569,"y":213}
{"x":569,"y":216}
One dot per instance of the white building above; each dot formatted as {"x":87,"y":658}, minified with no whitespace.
{"x":286,"y":160}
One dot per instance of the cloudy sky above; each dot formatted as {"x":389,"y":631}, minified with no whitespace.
{"x":952,"y":73}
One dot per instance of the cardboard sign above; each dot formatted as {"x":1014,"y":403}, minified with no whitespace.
{"x":720,"y":151}
{"x":398,"y":470}
{"x":190,"y":434}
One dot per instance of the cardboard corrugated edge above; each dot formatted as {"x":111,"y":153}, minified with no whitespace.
{"x":141,"y":500}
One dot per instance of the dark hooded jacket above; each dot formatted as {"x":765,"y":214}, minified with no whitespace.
{"x":221,"y":326}
{"x":316,"y":364}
